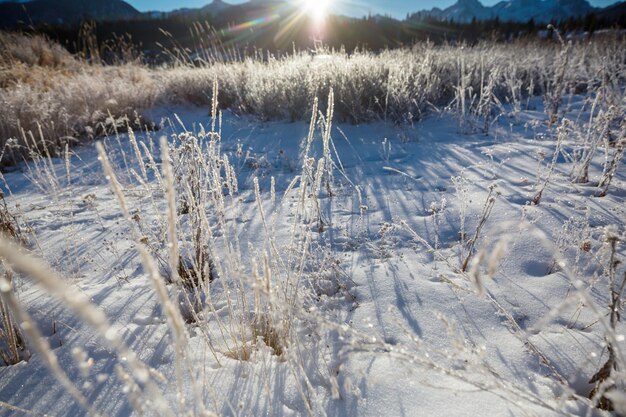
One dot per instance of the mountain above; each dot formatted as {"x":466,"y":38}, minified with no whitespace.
{"x":510,"y":10}
{"x":227,"y":12}
{"x":63,"y":12}
{"x":262,"y":11}
{"x":563,"y":9}
{"x":614,"y":12}
{"x":214,"y":8}
{"x":520,"y":10}
{"x":466,"y":10}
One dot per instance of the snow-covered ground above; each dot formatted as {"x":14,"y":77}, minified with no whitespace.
{"x":396,"y":328}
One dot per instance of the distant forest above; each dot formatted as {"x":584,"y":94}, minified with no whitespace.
{"x":189,"y":36}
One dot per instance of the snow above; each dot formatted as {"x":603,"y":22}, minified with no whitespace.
{"x":400,"y":331}
{"x":512,"y":10}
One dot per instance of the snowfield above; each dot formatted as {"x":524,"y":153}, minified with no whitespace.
{"x":336,"y":282}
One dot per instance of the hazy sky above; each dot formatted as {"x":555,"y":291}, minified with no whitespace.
{"x":397,"y":8}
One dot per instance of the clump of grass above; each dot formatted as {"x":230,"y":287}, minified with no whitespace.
{"x":262,"y":327}
{"x":474,"y":104}
{"x":607,"y":378}
{"x":67,"y":104}
{"x":32,"y":51}
{"x":611,"y":167}
{"x":9,"y":225}
{"x":595,"y":137}
{"x":557,"y":86}
{"x":562,"y":132}
{"x":262,"y":330}
{"x":13,"y":347}
{"x":193,"y":276}
{"x":204,"y":258}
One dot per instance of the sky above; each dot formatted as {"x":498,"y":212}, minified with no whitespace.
{"x":396,"y":8}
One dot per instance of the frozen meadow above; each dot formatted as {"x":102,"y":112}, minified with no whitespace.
{"x":453,"y":248}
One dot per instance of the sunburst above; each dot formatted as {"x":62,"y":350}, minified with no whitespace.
{"x":318,"y":10}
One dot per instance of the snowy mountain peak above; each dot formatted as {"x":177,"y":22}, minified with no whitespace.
{"x":510,"y":10}
{"x":216,"y":6}
{"x":470,"y":4}
{"x":466,"y":10}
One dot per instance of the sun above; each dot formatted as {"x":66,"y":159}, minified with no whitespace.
{"x":316,"y":9}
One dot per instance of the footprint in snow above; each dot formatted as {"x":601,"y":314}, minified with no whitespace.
{"x":539,"y":268}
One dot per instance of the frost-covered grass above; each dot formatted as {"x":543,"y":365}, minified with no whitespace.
{"x":468,"y":264}
{"x":43,"y":88}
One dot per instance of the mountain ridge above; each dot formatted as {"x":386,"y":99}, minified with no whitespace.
{"x":36,"y":12}
{"x":464,"y":11}
{"x":63,"y":12}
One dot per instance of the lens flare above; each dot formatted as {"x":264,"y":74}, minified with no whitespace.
{"x":316,"y":9}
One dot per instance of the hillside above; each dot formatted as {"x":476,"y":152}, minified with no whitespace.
{"x":510,"y":10}
{"x":63,"y":12}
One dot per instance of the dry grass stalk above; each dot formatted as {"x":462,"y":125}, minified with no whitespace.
{"x":484,"y":216}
